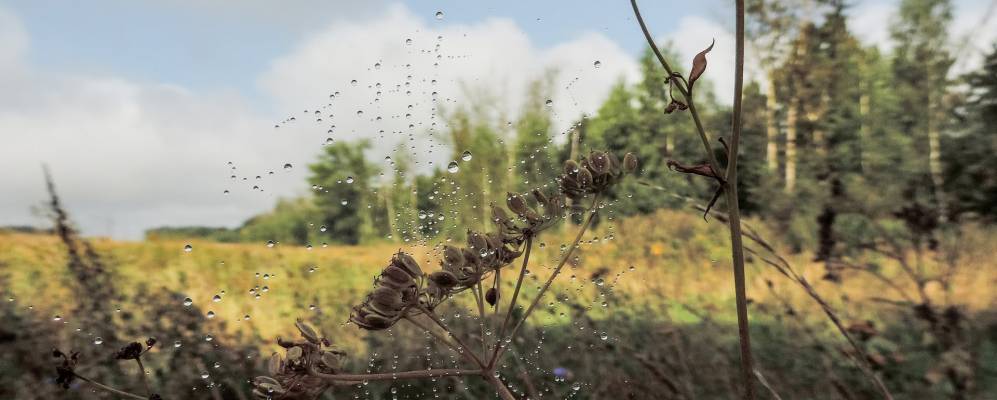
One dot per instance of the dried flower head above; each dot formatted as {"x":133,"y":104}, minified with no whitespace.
{"x":290,"y":376}
{"x":395,"y":290}
{"x":528,"y":220}
{"x":66,"y":370}
{"x":594,"y":174}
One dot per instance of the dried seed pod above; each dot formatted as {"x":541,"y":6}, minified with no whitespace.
{"x":408,"y":264}
{"x":516,"y":204}
{"x":570,"y":168}
{"x":476,"y":241}
{"x":445,"y":279}
{"x":491,"y":296}
{"x":130,"y":352}
{"x":306,"y":331}
{"x":453,"y":255}
{"x":274,"y":365}
{"x":599,"y":163}
{"x":585,"y":178}
{"x":630,"y":162}
{"x":294,"y":354}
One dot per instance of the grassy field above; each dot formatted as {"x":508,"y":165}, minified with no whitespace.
{"x":666,"y":270}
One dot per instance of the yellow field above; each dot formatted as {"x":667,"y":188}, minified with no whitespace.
{"x":675,"y":258}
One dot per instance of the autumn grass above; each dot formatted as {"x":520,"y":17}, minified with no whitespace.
{"x":675,"y":261}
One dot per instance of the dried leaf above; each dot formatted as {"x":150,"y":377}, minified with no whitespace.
{"x":699,"y":65}
{"x":701,"y":169}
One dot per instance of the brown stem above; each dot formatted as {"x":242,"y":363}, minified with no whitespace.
{"x":592,"y":211}
{"x":512,"y":303}
{"x":460,"y":343}
{"x":438,"y":337}
{"x":479,"y":295}
{"x":686,"y":94}
{"x":429,"y":373}
{"x":109,"y":389}
{"x":734,"y":212}
{"x":145,"y":381}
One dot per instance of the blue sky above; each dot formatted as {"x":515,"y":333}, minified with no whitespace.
{"x":139,"y":106}
{"x":213,"y":45}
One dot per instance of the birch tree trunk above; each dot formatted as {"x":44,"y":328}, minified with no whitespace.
{"x":771,"y":127}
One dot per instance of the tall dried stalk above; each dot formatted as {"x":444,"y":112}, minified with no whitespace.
{"x":727,"y":179}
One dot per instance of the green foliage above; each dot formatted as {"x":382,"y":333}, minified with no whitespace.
{"x":533,"y":156}
{"x":193,"y":232}
{"x":971,"y":157}
{"x":290,"y":222}
{"x":342,"y":181}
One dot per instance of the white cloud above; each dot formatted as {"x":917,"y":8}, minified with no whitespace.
{"x":144,"y":154}
{"x":494,"y":56}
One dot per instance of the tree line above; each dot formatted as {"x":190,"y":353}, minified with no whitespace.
{"x":838,"y":136}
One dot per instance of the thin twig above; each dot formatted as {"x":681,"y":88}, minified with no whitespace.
{"x":592,"y":211}
{"x":145,"y":381}
{"x":460,"y":343}
{"x":109,"y":389}
{"x":429,"y":373}
{"x":734,"y":211}
{"x":438,"y":337}
{"x":512,"y":303}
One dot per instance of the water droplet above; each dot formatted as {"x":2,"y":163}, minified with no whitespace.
{"x":452,"y":167}
{"x":217,"y":298}
{"x":270,"y":243}
{"x":177,"y":344}
{"x":188,"y":248}
{"x":597,"y":64}
{"x":98,"y":340}
{"x":439,"y":15}
{"x":211,"y":314}
{"x":204,"y":375}
{"x":466,"y":156}
{"x":408,"y":41}
{"x":187,"y":302}
{"x":323,"y":228}
{"x":349,"y":179}
{"x":288,"y":166}
{"x":57,"y":318}
{"x":549,"y":102}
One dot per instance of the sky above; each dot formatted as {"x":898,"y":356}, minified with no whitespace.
{"x":144,"y":111}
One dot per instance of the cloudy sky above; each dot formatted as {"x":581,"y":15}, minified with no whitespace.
{"x":139,"y":108}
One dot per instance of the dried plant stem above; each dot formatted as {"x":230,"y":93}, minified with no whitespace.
{"x":686,"y":95}
{"x":786,"y":269}
{"x":429,"y":373}
{"x":479,"y":295}
{"x":438,"y":337}
{"x":592,"y":211}
{"x":109,"y":389}
{"x":729,"y":182}
{"x":512,"y":303}
{"x":141,"y":370}
{"x":460,"y":343}
{"x":500,"y":387}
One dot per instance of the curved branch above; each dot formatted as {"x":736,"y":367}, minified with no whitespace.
{"x":592,"y":211}
{"x":429,"y":373}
